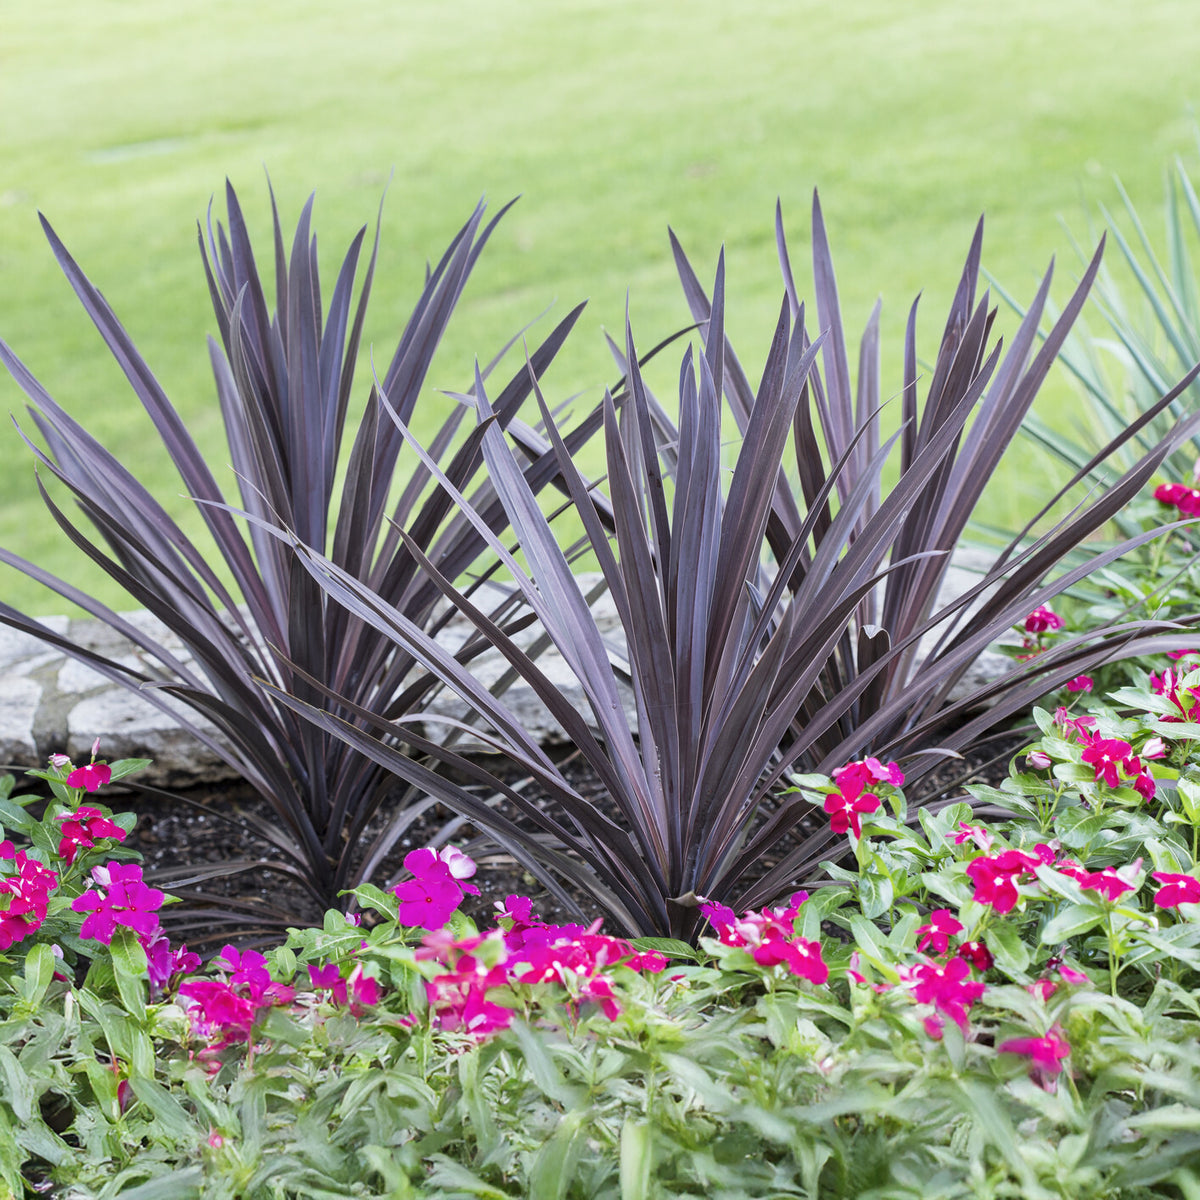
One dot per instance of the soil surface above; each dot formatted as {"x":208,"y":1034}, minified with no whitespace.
{"x":183,"y":836}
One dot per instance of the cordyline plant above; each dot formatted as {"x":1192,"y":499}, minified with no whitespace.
{"x":284,"y":382}
{"x":765,"y":632}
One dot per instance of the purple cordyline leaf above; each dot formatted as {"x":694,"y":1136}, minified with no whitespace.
{"x":283,"y":382}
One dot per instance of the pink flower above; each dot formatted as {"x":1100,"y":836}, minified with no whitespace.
{"x":216,"y":1011}
{"x":1176,"y":890}
{"x":82,"y":829}
{"x":329,"y":979}
{"x":1046,"y":1054}
{"x":977,"y":956}
{"x":27,"y":893}
{"x":1038,"y":759}
{"x":1076,"y":728}
{"x":123,"y":900}
{"x":850,"y":801}
{"x":91,"y":778}
{"x":1081,"y":683}
{"x":1107,"y":881}
{"x":365,"y":990}
{"x":1043,"y":620}
{"x":1108,"y":756}
{"x":946,"y":987}
{"x":437,"y":889}
{"x":427,"y":902}
{"x":163,"y":964}
{"x":979,"y":834}
{"x":518,"y":910}
{"x":1180,"y":496}
{"x":1155,"y":747}
{"x":996,"y":877}
{"x":937,"y":932}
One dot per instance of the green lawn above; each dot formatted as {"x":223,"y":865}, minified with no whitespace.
{"x":611,"y":120}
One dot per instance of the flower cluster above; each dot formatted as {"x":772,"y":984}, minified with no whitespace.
{"x":1180,"y":496}
{"x":438,"y":886}
{"x":82,"y":829}
{"x":357,"y":992}
{"x":524,"y":951}
{"x":224,"y":1010}
{"x":770,"y":937}
{"x":998,"y":877}
{"x":850,"y":800}
{"x":1113,"y":760}
{"x":24,"y":895}
{"x":120,"y":897}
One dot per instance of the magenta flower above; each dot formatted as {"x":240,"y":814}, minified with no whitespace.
{"x":845,"y":811}
{"x":1108,"y":756}
{"x":979,"y":834}
{"x":1081,"y":683}
{"x":976,"y":955}
{"x":1045,"y":1054}
{"x":1077,"y":729}
{"x":123,"y":899}
{"x":947,"y":988}
{"x":437,"y":889}
{"x":329,"y":979}
{"x":164,"y":964}
{"x":942,"y":924}
{"x":1176,"y":890}
{"x":27,"y":893}
{"x":427,"y":902}
{"x":82,"y":829}
{"x":216,"y":1011}
{"x":91,"y":778}
{"x":1180,"y":496}
{"x":996,"y":877}
{"x":1108,"y":881}
{"x":1043,"y":619}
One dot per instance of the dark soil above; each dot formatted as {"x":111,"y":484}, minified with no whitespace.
{"x":181,"y":835}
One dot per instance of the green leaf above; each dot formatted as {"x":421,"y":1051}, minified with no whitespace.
{"x":1005,"y":943}
{"x":129,"y":967}
{"x":177,"y":1185}
{"x":18,"y":1089}
{"x":168,"y":1112}
{"x":553,"y":1168}
{"x":39,"y":970}
{"x":1070,"y":922}
{"x":637,"y":1159}
{"x":671,"y":947}
{"x":125,"y":767}
{"x":875,"y":890}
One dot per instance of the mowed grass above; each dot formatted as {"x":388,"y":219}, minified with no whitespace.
{"x":611,"y":120}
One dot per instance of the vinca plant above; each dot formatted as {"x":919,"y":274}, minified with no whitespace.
{"x":967,"y":1006}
